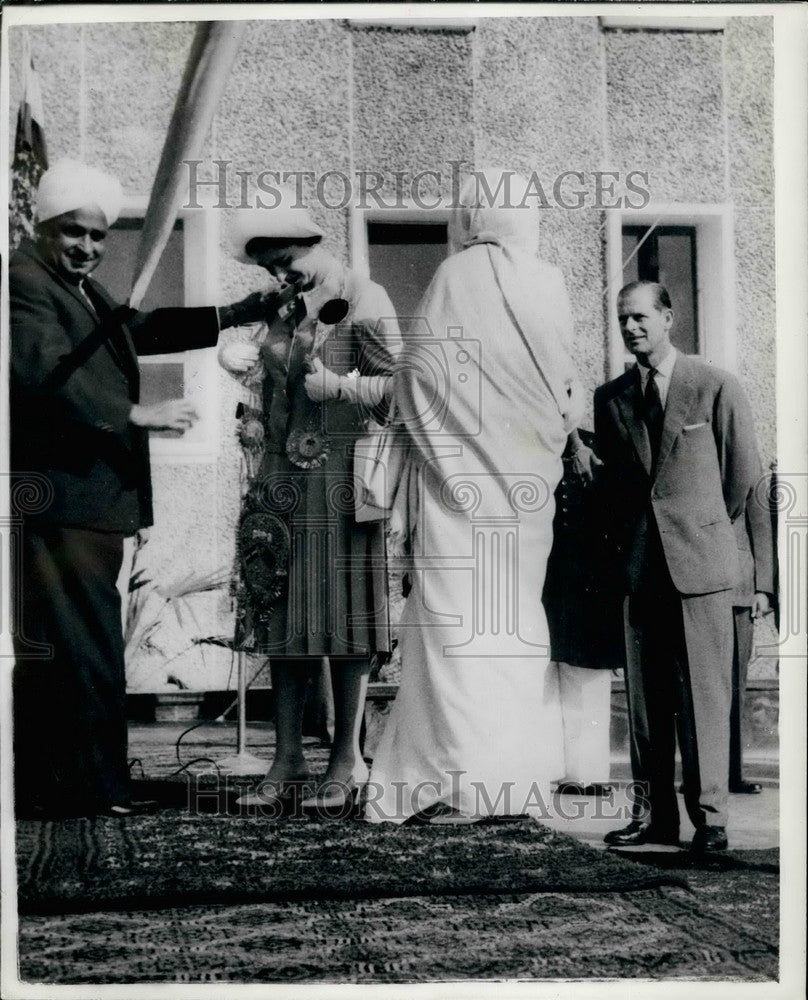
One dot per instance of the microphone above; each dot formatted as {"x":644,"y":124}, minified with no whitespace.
{"x":334,"y":311}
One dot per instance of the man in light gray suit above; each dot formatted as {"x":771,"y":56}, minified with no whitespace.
{"x":677,"y":439}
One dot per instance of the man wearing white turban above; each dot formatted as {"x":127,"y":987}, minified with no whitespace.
{"x":80,"y":436}
{"x":70,"y":185}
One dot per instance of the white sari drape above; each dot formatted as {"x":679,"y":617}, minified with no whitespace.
{"x":487,"y":393}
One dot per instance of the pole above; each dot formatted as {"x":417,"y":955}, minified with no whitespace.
{"x":242,"y":763}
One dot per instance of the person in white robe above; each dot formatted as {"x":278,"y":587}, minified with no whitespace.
{"x":487,"y":396}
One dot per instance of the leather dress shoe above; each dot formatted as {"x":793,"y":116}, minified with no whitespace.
{"x":596,"y":788}
{"x":637,"y":833}
{"x":709,"y":838}
{"x":138,"y":808}
{"x":745,"y":788}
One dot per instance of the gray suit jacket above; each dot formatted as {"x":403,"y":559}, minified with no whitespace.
{"x":708,"y":463}
{"x":754,"y":534}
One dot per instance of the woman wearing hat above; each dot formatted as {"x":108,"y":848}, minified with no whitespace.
{"x":313,"y":580}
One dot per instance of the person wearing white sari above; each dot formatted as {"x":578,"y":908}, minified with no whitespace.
{"x":487,"y":396}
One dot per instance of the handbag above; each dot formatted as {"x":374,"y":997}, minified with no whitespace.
{"x":378,"y":462}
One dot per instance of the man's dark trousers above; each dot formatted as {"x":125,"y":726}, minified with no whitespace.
{"x":70,"y":733}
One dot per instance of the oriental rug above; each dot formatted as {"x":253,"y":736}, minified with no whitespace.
{"x":175,"y":858}
{"x":657,"y":934}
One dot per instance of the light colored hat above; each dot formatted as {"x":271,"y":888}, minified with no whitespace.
{"x":285,"y":221}
{"x":69,"y":185}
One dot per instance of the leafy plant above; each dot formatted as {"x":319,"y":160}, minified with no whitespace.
{"x":150,"y":603}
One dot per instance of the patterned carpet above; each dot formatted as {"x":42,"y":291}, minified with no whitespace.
{"x":720,"y":923}
{"x":655,"y":934}
{"x":177,"y":858}
{"x":711,"y":928}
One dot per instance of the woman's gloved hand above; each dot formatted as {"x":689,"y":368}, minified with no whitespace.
{"x":321,"y":383}
{"x":238,"y":358}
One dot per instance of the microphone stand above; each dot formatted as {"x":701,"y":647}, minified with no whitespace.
{"x":242,"y":763}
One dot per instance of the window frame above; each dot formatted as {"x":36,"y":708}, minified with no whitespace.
{"x":662,"y":22}
{"x":715,"y":288}
{"x":201,"y":370}
{"x":360,"y":217}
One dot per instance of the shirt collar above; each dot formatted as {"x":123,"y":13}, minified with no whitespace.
{"x":664,"y":368}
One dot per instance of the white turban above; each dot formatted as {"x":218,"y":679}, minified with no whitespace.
{"x":285,"y":221}
{"x":69,"y":185}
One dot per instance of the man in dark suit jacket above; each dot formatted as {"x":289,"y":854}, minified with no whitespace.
{"x":677,"y":440}
{"x":753,"y":598}
{"x":80,"y":434}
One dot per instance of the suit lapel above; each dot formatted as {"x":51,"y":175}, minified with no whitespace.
{"x":75,"y":292}
{"x":677,"y":406}
{"x":629,"y":406}
{"x":29,"y":249}
{"x":96,"y":304}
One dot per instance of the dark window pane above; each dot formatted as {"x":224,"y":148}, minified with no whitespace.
{"x":630,"y":272}
{"x":677,"y":272}
{"x":667,"y":254}
{"x":403,"y":257}
{"x":115,"y":272}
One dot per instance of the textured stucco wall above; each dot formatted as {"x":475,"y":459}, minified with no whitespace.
{"x":665,"y":114}
{"x":543,"y":94}
{"x":749,"y":63}
{"x":412,"y":105}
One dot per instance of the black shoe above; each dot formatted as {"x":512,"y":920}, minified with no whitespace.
{"x":599,"y":789}
{"x":637,"y":833}
{"x":576,"y":788}
{"x":140,"y":808}
{"x":745,"y":788}
{"x":709,"y":838}
{"x":569,"y":788}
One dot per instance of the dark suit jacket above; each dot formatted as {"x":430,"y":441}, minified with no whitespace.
{"x":70,"y":405}
{"x":707,"y":465}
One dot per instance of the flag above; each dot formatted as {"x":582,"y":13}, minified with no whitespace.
{"x":30,"y":155}
{"x":211,"y":58}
